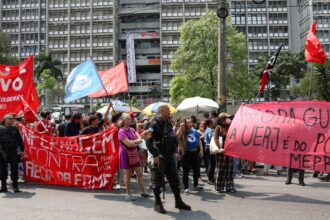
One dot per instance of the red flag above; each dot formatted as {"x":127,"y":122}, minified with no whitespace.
{"x":29,"y":115}
{"x":264,"y":80}
{"x":114,"y":80}
{"x":314,"y":52}
{"x":17,"y":81}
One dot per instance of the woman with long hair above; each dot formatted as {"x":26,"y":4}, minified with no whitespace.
{"x":129,"y":161}
{"x":191,"y":150}
{"x":224,"y":172}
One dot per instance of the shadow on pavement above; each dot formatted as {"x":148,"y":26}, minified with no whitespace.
{"x":190,"y":215}
{"x":278,"y":198}
{"x":319,"y":185}
{"x":21,"y":195}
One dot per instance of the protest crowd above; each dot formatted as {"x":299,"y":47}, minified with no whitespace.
{"x":160,"y":148}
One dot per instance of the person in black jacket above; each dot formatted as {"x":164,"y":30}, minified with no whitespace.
{"x":162,"y":144}
{"x":10,"y":140}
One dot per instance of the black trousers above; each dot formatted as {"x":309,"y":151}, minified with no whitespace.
{"x":190,"y":160}
{"x":211,"y":169}
{"x":12,"y":159}
{"x":167,"y":166}
{"x":301,"y":174}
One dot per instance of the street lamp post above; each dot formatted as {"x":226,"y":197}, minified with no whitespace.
{"x":222,"y":13}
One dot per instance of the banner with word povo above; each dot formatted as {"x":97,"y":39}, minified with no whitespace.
{"x":17,"y":82}
{"x":291,"y":134}
{"x":86,"y":161}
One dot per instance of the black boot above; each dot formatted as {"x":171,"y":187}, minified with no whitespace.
{"x":159,"y":206}
{"x":3,"y":186}
{"x":179,"y":204}
{"x":15,"y":186}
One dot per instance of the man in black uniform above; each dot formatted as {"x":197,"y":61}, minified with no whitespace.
{"x":10,"y":140}
{"x":161,"y":134}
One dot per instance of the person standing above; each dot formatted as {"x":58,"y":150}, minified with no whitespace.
{"x":10,"y":140}
{"x":129,"y":161}
{"x":162,"y":144}
{"x":45,"y":126}
{"x":210,"y":124}
{"x":61,"y":128}
{"x":300,"y":178}
{"x":192,"y":152}
{"x":74,"y":127}
{"x":224,"y":173}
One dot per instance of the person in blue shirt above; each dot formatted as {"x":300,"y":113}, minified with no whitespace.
{"x":192,"y":151}
{"x":210,"y":125}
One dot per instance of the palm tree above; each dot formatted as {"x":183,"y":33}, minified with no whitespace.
{"x":45,"y":61}
{"x":155,"y":91}
{"x":323,"y":81}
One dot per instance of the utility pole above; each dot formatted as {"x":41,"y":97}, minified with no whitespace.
{"x":222,"y":13}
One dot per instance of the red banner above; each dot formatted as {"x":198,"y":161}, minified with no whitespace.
{"x":114,"y":80}
{"x":291,"y":134}
{"x":86,"y":161}
{"x":16,"y":81}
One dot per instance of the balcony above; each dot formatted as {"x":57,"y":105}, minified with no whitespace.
{"x":143,"y":35}
{"x":147,"y":62}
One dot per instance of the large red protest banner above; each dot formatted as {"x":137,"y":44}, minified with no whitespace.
{"x":86,"y":161}
{"x":16,"y":81}
{"x":292,"y":134}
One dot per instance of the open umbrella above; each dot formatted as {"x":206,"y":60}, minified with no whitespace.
{"x":198,"y":104}
{"x":119,"y":106}
{"x":153,"y":108}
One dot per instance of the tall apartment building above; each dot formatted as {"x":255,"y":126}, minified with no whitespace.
{"x":142,"y":19}
{"x":173,"y":14}
{"x":266,"y":26}
{"x":25,"y":22}
{"x":318,"y":10}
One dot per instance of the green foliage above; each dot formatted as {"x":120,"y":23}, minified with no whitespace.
{"x":45,"y":61}
{"x":317,"y":83}
{"x":195,"y":62}
{"x":46,"y":85}
{"x":5,"y":45}
{"x":288,"y":65}
{"x":98,"y":106}
{"x":134,"y":102}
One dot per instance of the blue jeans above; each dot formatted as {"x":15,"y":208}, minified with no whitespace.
{"x":236,"y":166}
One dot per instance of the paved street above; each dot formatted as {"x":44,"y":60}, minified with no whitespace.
{"x":258,"y":197}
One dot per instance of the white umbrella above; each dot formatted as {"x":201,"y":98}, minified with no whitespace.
{"x":118,"y":106}
{"x":197,"y":104}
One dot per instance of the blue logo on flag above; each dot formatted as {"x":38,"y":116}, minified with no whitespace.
{"x":82,"y":81}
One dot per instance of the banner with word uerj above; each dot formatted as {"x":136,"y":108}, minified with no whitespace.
{"x":291,"y":134}
{"x":130,"y":58}
{"x":86,"y":161}
{"x":17,"y":82}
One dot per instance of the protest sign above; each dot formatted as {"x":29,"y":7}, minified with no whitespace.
{"x":85,"y":161}
{"x":291,"y":134}
{"x":16,"y":82}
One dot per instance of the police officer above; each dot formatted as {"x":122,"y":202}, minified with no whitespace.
{"x":10,"y":140}
{"x":162,"y":143}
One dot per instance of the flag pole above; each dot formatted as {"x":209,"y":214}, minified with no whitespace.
{"x":106,"y":92}
{"x":310,"y":81}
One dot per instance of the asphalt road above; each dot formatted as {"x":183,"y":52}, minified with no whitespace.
{"x":257,"y":197}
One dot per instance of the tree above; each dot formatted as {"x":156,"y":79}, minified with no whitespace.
{"x":134,"y":102}
{"x":317,"y":85}
{"x":289,"y":66}
{"x":45,"y":61}
{"x":195,"y":62}
{"x":46,"y":86}
{"x":155,"y":91}
{"x":5,"y":53}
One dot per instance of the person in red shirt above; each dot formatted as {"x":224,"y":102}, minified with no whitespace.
{"x":45,"y":126}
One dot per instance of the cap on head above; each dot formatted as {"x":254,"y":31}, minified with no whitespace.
{"x":224,"y":115}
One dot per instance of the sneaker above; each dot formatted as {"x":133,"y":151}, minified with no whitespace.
{"x":130,"y":198}
{"x":238,"y":176}
{"x":117,"y":187}
{"x":198,"y":188}
{"x":186,"y":191}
